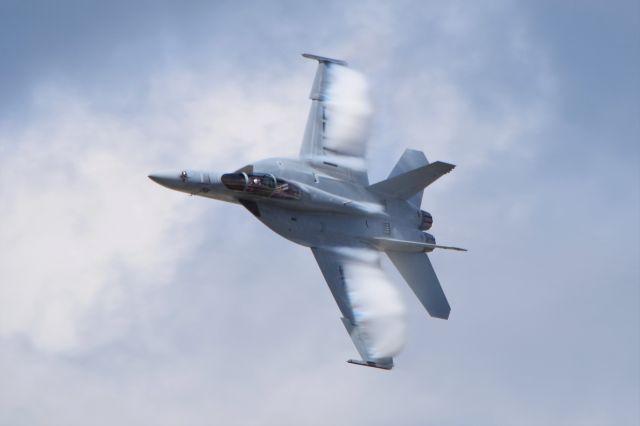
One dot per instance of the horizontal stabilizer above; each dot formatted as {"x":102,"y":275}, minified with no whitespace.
{"x":409,"y":183}
{"x":410,"y":246}
{"x":417,"y":271}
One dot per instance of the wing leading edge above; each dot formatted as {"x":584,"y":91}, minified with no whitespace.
{"x":372,"y":311}
{"x":338,"y":125}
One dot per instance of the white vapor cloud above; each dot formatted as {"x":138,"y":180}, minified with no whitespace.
{"x":377,"y":307}
{"x":348,"y":111}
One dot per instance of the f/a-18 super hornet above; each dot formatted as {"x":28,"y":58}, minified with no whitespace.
{"x":323,"y":200}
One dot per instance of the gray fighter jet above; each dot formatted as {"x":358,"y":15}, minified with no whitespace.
{"x":323,"y":200}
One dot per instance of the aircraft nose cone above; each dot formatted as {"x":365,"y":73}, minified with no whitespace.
{"x":165,"y":179}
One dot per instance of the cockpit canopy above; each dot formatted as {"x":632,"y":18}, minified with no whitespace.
{"x":261,"y":184}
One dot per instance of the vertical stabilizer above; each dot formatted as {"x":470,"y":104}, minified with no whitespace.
{"x":411,"y":159}
{"x":409,"y":184}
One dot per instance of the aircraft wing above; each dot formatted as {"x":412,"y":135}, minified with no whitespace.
{"x":337,"y":129}
{"x":372,"y":311}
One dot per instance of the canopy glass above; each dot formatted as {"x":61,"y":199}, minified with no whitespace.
{"x":261,"y":184}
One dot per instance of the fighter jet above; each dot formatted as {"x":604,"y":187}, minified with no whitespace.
{"x":323,"y":200}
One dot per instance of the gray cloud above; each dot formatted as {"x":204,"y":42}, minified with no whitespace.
{"x":121,"y":302}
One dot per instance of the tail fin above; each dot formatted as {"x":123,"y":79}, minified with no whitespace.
{"x":408,"y":181}
{"x":411,"y":159}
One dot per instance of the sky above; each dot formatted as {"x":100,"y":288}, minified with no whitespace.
{"x":124,"y":303}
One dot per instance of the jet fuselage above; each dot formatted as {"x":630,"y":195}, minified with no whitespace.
{"x":305,"y":205}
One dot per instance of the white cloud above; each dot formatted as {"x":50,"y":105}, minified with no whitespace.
{"x":82,"y":224}
{"x":137,"y":304}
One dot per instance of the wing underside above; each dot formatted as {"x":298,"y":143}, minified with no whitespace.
{"x":338,"y":125}
{"x":372,"y":311}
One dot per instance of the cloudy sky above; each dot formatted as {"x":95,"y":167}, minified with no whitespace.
{"x":124,"y":303}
